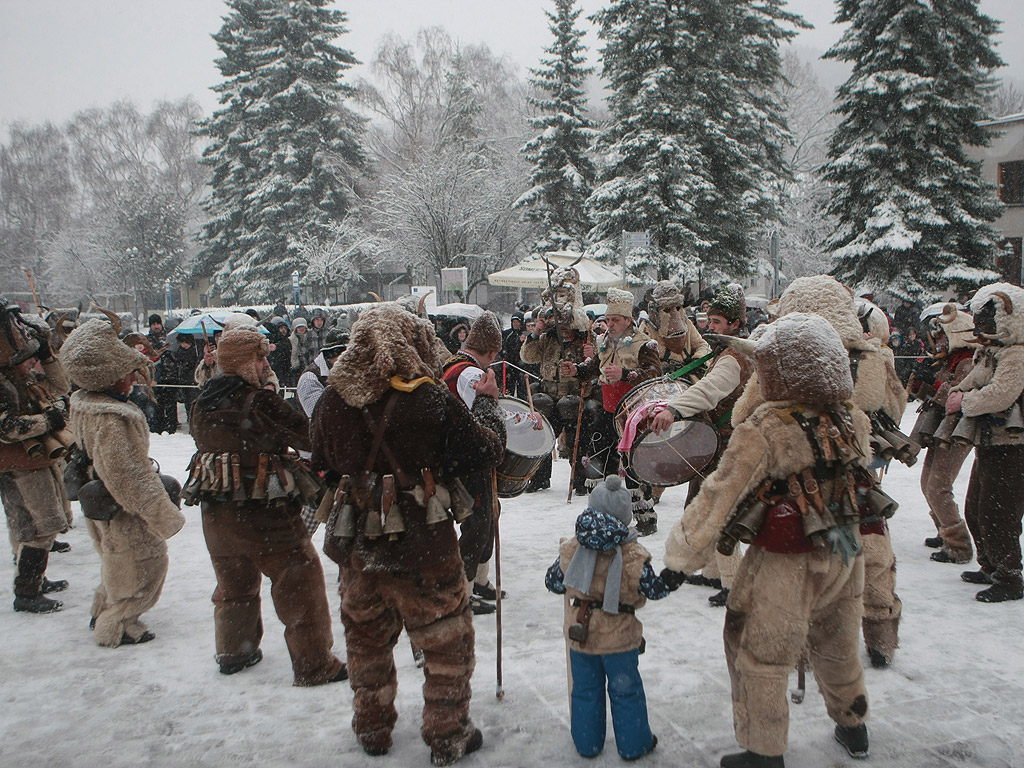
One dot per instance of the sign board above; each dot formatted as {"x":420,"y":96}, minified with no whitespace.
{"x":430,"y":291}
{"x":636,"y":240}
{"x":455,"y":279}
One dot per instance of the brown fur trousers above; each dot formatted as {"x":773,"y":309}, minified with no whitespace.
{"x":433,"y":606}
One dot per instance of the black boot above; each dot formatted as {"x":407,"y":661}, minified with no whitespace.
{"x":750,"y":759}
{"x":54,"y":586}
{"x":60,"y":546}
{"x":976,"y":577}
{"x":28,"y":583}
{"x":719,"y":598}
{"x":854,"y":739}
{"x":878,"y":660}
{"x":234,"y":667}
{"x":998,"y":594}
{"x":934,"y":542}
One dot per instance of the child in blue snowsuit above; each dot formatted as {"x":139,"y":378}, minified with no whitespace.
{"x":606,"y":576}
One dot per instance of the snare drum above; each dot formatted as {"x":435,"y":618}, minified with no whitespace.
{"x":676,"y":455}
{"x":525,"y":447}
{"x":662,"y":388}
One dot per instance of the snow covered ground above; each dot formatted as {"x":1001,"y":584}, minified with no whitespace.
{"x":954,"y":696}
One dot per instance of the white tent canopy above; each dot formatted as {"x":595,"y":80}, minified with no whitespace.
{"x":533,"y":273}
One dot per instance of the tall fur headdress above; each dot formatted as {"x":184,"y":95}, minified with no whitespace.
{"x":385,"y":341}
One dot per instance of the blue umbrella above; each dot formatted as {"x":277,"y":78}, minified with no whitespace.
{"x":213,"y":321}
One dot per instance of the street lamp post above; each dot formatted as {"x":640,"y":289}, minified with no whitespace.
{"x":295,"y":286}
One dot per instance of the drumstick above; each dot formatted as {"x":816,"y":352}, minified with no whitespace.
{"x":529,"y":397}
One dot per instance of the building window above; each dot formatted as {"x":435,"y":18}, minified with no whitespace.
{"x":1011,"y":182}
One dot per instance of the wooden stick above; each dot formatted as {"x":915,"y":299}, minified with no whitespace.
{"x":35,"y":296}
{"x":576,"y":441}
{"x":499,"y":690}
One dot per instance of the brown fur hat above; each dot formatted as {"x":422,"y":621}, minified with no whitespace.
{"x":801,"y":357}
{"x":95,"y":358}
{"x":385,"y":341}
{"x":239,"y":353}
{"x":485,"y":335}
{"x":666,"y":295}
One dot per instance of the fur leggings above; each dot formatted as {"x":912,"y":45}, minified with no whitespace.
{"x":778,"y":604}
{"x":941,"y":466}
{"x":432,"y":605}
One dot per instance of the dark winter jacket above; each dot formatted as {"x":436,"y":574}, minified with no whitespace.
{"x":607,"y":632}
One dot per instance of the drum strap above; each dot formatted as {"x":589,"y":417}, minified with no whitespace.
{"x":691,"y":366}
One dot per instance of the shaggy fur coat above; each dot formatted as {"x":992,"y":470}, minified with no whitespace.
{"x":34,"y":499}
{"x":767,"y":444}
{"x":548,"y":351}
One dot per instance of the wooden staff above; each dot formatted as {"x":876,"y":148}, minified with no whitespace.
{"x":35,"y":296}
{"x":576,"y":441}
{"x":499,"y":690}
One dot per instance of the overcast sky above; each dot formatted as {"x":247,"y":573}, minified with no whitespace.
{"x":61,"y":56}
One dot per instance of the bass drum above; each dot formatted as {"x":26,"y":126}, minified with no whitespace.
{"x":645,"y":392}
{"x":526,"y":447}
{"x":676,"y":455}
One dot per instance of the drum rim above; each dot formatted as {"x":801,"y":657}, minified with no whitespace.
{"x":700,"y":418}
{"x":639,"y":385}
{"x":547,"y":428}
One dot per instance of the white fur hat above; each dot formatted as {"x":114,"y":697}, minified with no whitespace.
{"x":95,"y":358}
{"x":620,"y":302}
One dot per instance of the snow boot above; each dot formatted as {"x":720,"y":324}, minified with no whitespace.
{"x":60,"y":546}
{"x":854,"y":739}
{"x":647,"y":527}
{"x":933,"y":542}
{"x":750,"y":759}
{"x":976,"y":577}
{"x":998,"y":594}
{"x":234,"y":667}
{"x":720,"y":598}
{"x":37,"y":604}
{"x":878,"y":659}
{"x":145,"y":637}
{"x":488,"y":592}
{"x":53,"y":586}
{"x":28,"y":583}
{"x":479,"y":607}
{"x":446,"y":754}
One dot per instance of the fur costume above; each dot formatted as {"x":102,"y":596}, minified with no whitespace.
{"x":386,"y":341}
{"x":131,"y":545}
{"x":783,"y":600}
{"x":566,"y":297}
{"x":32,"y":489}
{"x":34,"y":501}
{"x":252,"y":490}
{"x":414,"y":580}
{"x":876,"y":388}
{"x":637,"y":355}
{"x":943,"y":460}
{"x":95,"y":358}
{"x":678,"y":339}
{"x":994,"y":506}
